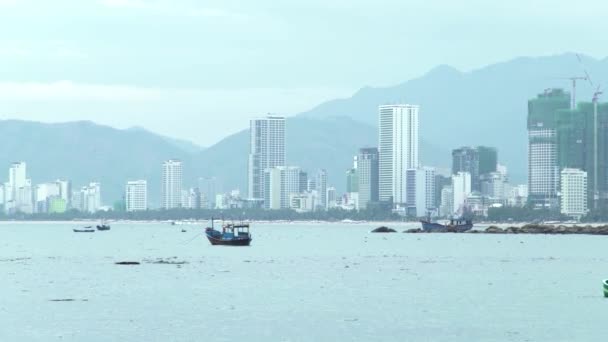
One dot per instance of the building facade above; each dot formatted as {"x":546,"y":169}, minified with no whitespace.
{"x":397,"y":149}
{"x":573,"y":201}
{"x":266,"y":151}
{"x":171,"y":189}
{"x":136,"y":195}
{"x":368,"y":176}
{"x":461,"y":190}
{"x":543,"y":167}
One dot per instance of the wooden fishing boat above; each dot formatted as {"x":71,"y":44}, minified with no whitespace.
{"x":231,"y":234}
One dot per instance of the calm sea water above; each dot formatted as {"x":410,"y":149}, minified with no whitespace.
{"x":298,"y":282}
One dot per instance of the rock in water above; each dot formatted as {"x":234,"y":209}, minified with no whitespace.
{"x":384,"y":230}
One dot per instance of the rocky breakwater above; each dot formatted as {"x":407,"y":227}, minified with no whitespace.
{"x":529,"y":229}
{"x":549,"y":229}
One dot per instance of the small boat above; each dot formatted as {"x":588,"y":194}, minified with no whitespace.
{"x":103,"y":226}
{"x":231,"y":234}
{"x":88,"y":229}
{"x":458,"y":225}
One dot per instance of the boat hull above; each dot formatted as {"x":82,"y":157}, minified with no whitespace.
{"x":84,"y":230}
{"x":104,"y":227}
{"x":229,"y":242}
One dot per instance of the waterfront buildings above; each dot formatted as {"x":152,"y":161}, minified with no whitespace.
{"x":209,"y":187}
{"x":398,"y":150}
{"x":266,"y":151}
{"x":171,"y":184}
{"x":367,"y":176}
{"x":136,"y":195}
{"x":321,"y":188}
{"x":477,"y":161}
{"x":573,"y":193}
{"x":90,"y":197}
{"x":18,"y":191}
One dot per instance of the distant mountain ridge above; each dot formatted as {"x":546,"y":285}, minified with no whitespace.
{"x":487,"y":106}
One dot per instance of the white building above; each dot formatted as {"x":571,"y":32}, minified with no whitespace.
{"x":136,"y":195}
{"x":321,"y":188}
{"x":574,"y":193}
{"x":19,"y":195}
{"x":543,"y":170}
{"x":398,"y":150}
{"x":303,"y":202}
{"x":446,"y":207}
{"x":171,"y":191}
{"x":461,"y":187}
{"x":281,"y":182}
{"x":209,"y":188}
{"x":267,"y":150}
{"x":331,"y":198}
{"x":494,"y":186}
{"x":91,"y":197}
{"x":421,"y":191}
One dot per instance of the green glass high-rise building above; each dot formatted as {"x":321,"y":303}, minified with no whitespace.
{"x":543,"y":167}
{"x":477,"y":161}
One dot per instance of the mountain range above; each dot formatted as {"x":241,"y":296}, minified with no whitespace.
{"x":487,"y":106}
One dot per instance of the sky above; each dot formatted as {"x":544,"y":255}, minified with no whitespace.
{"x":199,"y":70}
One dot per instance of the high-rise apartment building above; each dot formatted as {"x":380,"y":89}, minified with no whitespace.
{"x":421,"y":191}
{"x":321,"y":187}
{"x":367,"y":176}
{"x":398,"y":150}
{"x":171,"y":187}
{"x":136,"y":195}
{"x":478,"y":161}
{"x":266,"y":150}
{"x":461,"y":189}
{"x":281,"y":183}
{"x":543,"y":167}
{"x":573,"y":193}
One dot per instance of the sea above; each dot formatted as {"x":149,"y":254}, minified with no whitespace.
{"x":298,"y":282}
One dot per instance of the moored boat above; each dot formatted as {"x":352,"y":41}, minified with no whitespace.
{"x":454,"y":225}
{"x":88,"y":229}
{"x":103,"y":227}
{"x":231,"y":234}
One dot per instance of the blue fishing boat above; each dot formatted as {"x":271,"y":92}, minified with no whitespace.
{"x":231,"y":234}
{"x":456,"y":225}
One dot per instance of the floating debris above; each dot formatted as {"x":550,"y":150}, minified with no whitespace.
{"x":127,"y":263}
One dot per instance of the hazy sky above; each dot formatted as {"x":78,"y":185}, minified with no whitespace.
{"x":200,"y":69}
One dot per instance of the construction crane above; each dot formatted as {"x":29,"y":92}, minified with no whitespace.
{"x":596,"y":194}
{"x":573,"y":79}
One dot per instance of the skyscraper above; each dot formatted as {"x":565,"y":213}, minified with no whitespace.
{"x":543,"y":168}
{"x":398,"y":150}
{"x":321,"y":187}
{"x":266,"y":150}
{"x":19,"y":194}
{"x":367,"y":169}
{"x":171,"y":190}
{"x":136,"y":195}
{"x":91,"y":197}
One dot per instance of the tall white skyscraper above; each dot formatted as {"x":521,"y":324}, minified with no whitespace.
{"x":171,"y":191}
{"x":398,"y":150}
{"x":19,"y":194}
{"x":267,"y":150}
{"x":574,"y":193}
{"x":136,"y":195}
{"x":321,"y":187}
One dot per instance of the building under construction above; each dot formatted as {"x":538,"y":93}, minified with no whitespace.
{"x":561,"y":137}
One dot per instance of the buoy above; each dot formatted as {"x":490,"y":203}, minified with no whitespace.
{"x":606,"y":288}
